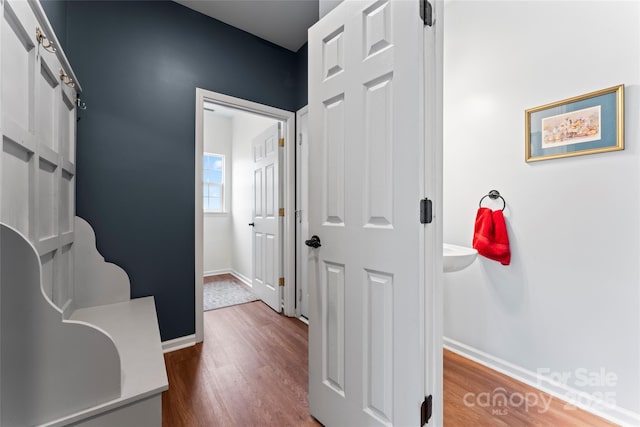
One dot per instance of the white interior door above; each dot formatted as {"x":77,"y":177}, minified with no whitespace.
{"x":266,"y":221}
{"x":367,"y":328}
{"x":302,"y":211}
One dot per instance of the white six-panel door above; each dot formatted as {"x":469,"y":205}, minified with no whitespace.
{"x":266,"y":229}
{"x":366,"y":113}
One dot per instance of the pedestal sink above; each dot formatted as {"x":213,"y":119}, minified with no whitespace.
{"x":457,"y":257}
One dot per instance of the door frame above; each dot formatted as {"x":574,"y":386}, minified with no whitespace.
{"x":433,"y":187}
{"x":301,"y":230}
{"x":288,"y":196}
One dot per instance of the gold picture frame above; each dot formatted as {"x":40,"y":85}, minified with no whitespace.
{"x":586,"y":124}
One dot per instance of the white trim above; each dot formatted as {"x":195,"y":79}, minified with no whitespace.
{"x":213,"y":213}
{"x":556,"y":389}
{"x":244,"y":279}
{"x":217,"y":272}
{"x":288,"y":197}
{"x":301,"y":230}
{"x":178,"y":343}
{"x":199,"y":217}
{"x":432,"y":165}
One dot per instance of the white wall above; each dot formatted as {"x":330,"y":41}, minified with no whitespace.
{"x":217,"y":227}
{"x":570,"y":299}
{"x":245,"y":127}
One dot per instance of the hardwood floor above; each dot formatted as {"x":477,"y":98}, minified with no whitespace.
{"x":252,"y":370}
{"x":465,"y":380}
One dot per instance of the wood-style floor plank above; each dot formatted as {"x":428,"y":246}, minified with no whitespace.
{"x":252,"y":370}
{"x":465,"y":381}
{"x":222,"y":278}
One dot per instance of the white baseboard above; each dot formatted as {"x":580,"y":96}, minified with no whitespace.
{"x":244,"y":279}
{"x":217,"y":272}
{"x":556,"y":389}
{"x":178,"y":343}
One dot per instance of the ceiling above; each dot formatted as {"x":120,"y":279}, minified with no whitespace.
{"x":282,"y":22}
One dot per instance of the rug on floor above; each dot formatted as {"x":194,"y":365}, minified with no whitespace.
{"x":225,"y":293}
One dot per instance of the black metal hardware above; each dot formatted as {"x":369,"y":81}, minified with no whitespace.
{"x":426,"y":12}
{"x":252,"y":224}
{"x":313,"y":242}
{"x":426,"y":211}
{"x":426,"y":410}
{"x":493,"y":195}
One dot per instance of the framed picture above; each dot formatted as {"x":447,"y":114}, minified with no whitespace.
{"x":585,"y":124}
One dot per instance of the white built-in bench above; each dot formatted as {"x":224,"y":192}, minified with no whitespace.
{"x":98,"y":365}
{"x":74,"y":348}
{"x":133,"y":327}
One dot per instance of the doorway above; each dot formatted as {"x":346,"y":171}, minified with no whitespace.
{"x":229,"y":213}
{"x":240,"y":213}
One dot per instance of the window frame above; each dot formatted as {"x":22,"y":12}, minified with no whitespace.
{"x":222,"y":184}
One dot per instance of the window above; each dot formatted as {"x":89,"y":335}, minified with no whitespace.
{"x":213,"y":183}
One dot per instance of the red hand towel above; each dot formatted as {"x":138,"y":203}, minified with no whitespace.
{"x":490,"y":237}
{"x":483,"y":233}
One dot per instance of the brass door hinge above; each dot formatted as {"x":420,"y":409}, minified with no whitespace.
{"x":281,"y":283}
{"x":281,"y":212}
{"x":281,"y":142}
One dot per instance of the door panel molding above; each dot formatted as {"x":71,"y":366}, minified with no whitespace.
{"x":373,"y":163}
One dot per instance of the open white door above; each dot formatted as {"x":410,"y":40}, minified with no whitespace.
{"x":266,"y":222}
{"x":367,"y":329}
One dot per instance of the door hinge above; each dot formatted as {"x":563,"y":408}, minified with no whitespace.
{"x":281,"y":282}
{"x":426,"y":211}
{"x":281,"y":212}
{"x":426,"y":12}
{"x":426,"y":409}
{"x":281,"y":142}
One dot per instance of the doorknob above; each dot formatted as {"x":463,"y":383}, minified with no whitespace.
{"x":253,"y":224}
{"x":313,"y":242}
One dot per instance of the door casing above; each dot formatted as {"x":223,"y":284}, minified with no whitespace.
{"x":302,"y":209}
{"x":288,"y":197}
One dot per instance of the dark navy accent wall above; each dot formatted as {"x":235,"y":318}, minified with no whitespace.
{"x":139,"y":64}
{"x":56,"y":11}
{"x":302,"y":58}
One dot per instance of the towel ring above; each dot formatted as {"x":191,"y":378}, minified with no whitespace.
{"x":494,"y":194}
